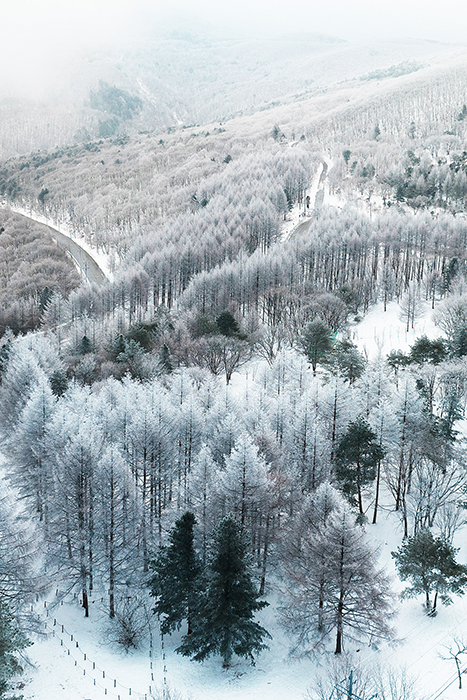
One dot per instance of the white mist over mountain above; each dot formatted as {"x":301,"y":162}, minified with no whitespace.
{"x":39,"y":40}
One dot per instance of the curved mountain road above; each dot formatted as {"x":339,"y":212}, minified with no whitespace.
{"x":86,"y":264}
{"x":317,"y":194}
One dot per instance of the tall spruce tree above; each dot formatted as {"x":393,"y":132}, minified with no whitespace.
{"x":176,"y":579}
{"x":223,"y":622}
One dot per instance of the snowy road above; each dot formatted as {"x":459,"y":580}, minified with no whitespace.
{"x":317,"y":193}
{"x":85,"y":260}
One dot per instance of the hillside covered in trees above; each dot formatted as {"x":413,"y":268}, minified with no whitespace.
{"x":203,"y":436}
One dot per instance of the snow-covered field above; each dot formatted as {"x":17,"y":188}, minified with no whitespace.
{"x":382,"y":331}
{"x":86,"y":667}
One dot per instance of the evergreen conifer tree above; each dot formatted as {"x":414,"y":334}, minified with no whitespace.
{"x":316,"y":342}
{"x":224,"y":618}
{"x":165,"y":360}
{"x":176,"y":578}
{"x":429,"y":564}
{"x":227,"y":324}
{"x":357,"y":457}
{"x":5,"y":349}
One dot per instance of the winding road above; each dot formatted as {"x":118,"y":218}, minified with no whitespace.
{"x":88,"y":267}
{"x":317,"y":195}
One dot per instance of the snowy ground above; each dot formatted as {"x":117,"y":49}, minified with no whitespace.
{"x":65,"y":672}
{"x":382,"y":331}
{"x":86,"y":667}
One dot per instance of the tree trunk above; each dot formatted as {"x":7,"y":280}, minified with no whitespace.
{"x":360,"y":500}
{"x":339,"y":638}
{"x":458,"y":672}
{"x":265,"y":557}
{"x":378,"y":476}
{"x":435,"y":600}
{"x":340,"y":605}
{"x":112,"y":548}
{"x":85,"y":600}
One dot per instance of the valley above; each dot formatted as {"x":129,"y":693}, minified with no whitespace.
{"x":233,"y":358}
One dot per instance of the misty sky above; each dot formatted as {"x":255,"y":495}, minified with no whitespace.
{"x":84,"y":19}
{"x":37,"y":35}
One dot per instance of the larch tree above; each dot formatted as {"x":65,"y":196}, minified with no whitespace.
{"x":200,"y":492}
{"x":74,"y":442}
{"x":306,"y":445}
{"x":362,"y":600}
{"x":242,"y":485}
{"x":28,"y":452}
{"x":303,"y":556}
{"x":12,"y":641}
{"x":332,"y":581}
{"x":117,"y":527}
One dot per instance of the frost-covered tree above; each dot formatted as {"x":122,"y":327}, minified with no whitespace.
{"x":27,"y":450}
{"x":332,"y":580}
{"x":21,"y":545}
{"x":75,"y":443}
{"x":200,"y":494}
{"x":150,"y":434}
{"x":306,"y":446}
{"x":117,"y":518}
{"x":12,"y":641}
{"x":242,"y":484}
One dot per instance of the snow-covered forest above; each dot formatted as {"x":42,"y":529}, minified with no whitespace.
{"x":247,"y":444}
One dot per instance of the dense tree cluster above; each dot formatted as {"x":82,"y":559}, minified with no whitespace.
{"x":107,"y":465}
{"x":125,"y":414}
{"x":218,"y":602}
{"x":32,"y":266}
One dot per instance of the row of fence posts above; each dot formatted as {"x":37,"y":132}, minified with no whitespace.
{"x":96,"y":668}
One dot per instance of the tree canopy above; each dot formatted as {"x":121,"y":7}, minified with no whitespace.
{"x":429,"y":564}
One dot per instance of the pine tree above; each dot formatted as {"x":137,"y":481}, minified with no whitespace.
{"x":316,"y":342}
{"x":5,"y":350}
{"x":429,"y":564}
{"x":347,"y":360}
{"x":165,"y":360}
{"x":11,"y":641}
{"x":227,"y":324}
{"x":357,"y":457}
{"x":58,"y":382}
{"x":176,"y":580}
{"x":223,"y":622}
